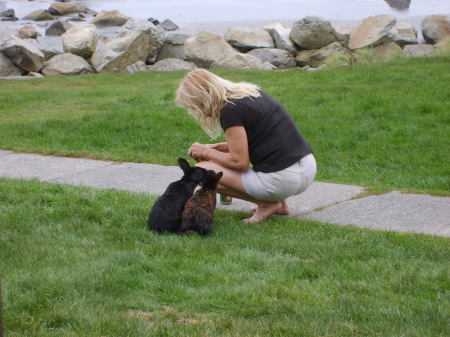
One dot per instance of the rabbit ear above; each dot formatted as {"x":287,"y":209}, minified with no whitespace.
{"x":183,"y":164}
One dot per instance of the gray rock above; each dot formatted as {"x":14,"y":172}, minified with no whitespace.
{"x":176,"y":39}
{"x":442,"y":47}
{"x":386,"y":51}
{"x":65,"y":8}
{"x":172,"y":64}
{"x":313,"y":32}
{"x":9,"y":13}
{"x":110,"y":18}
{"x":29,"y":32}
{"x":7,"y":68}
{"x":23,"y":54}
{"x":58,"y":28}
{"x":418,"y":50}
{"x":39,"y":15}
{"x":168,"y":25}
{"x":9,"y":19}
{"x":137,"y":67}
{"x":35,"y":75}
{"x":154,"y":21}
{"x":246,"y":38}
{"x":281,"y":59}
{"x":81,"y":40}
{"x":240,"y":61}
{"x":66,"y":64}
{"x":436,"y":28}
{"x":372,"y":31}
{"x":333,"y":49}
{"x":403,"y":33}
{"x":49,"y":46}
{"x":280,"y":36}
{"x":155,"y":36}
{"x":343,"y":34}
{"x":173,"y":47}
{"x":303,"y":57}
{"x":268,"y":66}
{"x":109,"y":33}
{"x":132,"y":46}
{"x":206,"y":48}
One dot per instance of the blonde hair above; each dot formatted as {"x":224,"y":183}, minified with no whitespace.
{"x":203,"y":94}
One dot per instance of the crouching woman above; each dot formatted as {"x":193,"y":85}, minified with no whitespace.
{"x":258,"y":131}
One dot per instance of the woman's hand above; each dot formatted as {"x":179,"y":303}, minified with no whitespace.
{"x":199,"y":151}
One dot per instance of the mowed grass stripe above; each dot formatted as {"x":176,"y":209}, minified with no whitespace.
{"x":384,"y":125}
{"x":80,"y":262}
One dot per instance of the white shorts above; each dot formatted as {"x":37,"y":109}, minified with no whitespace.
{"x":280,"y":185}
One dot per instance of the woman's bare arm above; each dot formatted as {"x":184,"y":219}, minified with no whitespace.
{"x":236,"y":158}
{"x":222,"y":147}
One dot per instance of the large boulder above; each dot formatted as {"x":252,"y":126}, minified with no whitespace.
{"x":206,"y":48}
{"x":312,"y":32}
{"x":66,"y":64}
{"x":7,"y":68}
{"x":58,"y":28}
{"x":372,"y":31}
{"x":137,"y":67}
{"x":247,"y":38}
{"x":280,"y":36}
{"x":442,"y":47}
{"x":343,"y":34}
{"x":39,"y":15}
{"x":81,"y":40}
{"x":333,"y":49}
{"x":436,"y":28}
{"x":282,"y":59}
{"x":8,"y":15}
{"x":168,"y":25}
{"x":109,"y":18}
{"x":173,"y":47}
{"x":23,"y":54}
{"x":129,"y":48}
{"x":155,"y":36}
{"x":65,"y":8}
{"x":50,"y":46}
{"x":172,"y":64}
{"x":29,"y":32}
{"x":418,"y":50}
{"x":386,"y":51}
{"x":403,"y":33}
{"x":303,"y":57}
{"x":240,"y":61}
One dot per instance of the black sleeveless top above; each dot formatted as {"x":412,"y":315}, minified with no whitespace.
{"x":274,"y":141}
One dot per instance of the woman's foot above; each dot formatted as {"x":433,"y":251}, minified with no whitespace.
{"x":263,"y":210}
{"x":284,"y":210}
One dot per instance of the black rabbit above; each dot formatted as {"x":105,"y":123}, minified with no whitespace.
{"x":199,"y":210}
{"x":166,"y":212}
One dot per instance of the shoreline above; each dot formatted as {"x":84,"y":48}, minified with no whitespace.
{"x":219,"y":27}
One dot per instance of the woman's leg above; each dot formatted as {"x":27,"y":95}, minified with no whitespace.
{"x":284,"y":210}
{"x":231,"y":184}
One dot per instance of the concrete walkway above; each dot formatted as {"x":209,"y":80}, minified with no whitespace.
{"x":331,"y":203}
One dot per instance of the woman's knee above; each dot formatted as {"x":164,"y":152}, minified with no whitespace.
{"x":209,"y":165}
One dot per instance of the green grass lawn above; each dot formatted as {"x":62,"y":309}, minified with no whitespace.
{"x":80,"y":262}
{"x":382,"y":125}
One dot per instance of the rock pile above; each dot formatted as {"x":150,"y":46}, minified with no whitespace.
{"x":111,"y":42}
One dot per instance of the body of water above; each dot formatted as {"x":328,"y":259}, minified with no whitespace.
{"x":187,"y":12}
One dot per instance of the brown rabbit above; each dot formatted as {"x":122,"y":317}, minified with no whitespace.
{"x":199,"y":209}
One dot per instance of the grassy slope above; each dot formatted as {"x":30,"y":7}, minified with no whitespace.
{"x":382,"y":125}
{"x":75,"y":261}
